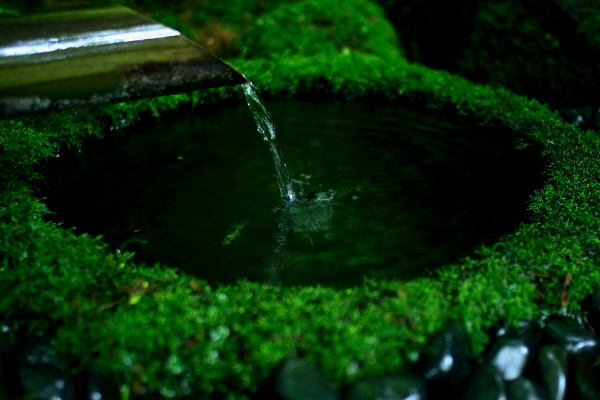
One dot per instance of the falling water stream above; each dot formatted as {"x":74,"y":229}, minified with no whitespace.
{"x":265,"y":126}
{"x":296,"y":214}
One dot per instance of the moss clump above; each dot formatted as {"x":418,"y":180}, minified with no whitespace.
{"x":545,"y":49}
{"x":160,"y":331}
{"x":533,"y":53}
{"x":321,"y":27}
{"x":7,"y":10}
{"x":588,"y":16}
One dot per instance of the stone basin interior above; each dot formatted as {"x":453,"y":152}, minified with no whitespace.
{"x":387,"y":191}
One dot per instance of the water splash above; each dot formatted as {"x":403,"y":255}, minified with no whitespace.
{"x":299,"y":217}
{"x":265,"y":126}
{"x":300,"y":221}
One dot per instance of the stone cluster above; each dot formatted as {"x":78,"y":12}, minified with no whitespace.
{"x":555,"y":362}
{"x":552,"y":361}
{"x":31,"y":370}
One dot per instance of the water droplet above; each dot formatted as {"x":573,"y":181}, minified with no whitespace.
{"x":95,"y":395}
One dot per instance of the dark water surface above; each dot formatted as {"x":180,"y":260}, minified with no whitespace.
{"x":387,"y":192}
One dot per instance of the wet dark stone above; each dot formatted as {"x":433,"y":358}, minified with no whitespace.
{"x":297,"y":380}
{"x":35,"y":352}
{"x":484,"y":384}
{"x":585,"y":117}
{"x":93,"y":384}
{"x":575,"y":339}
{"x":527,"y":331}
{"x":525,"y":389}
{"x":591,"y":307}
{"x":6,"y":339}
{"x":32,"y":368}
{"x":585,"y":379}
{"x":45,"y":383}
{"x":510,"y":357}
{"x":387,"y":387}
{"x":444,"y":362}
{"x":445,"y":355}
{"x":552,"y":362}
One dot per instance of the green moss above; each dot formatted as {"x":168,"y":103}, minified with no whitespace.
{"x":589,"y":21}
{"x":160,"y":330}
{"x":7,"y":10}
{"x":534,"y":50}
{"x":321,"y":27}
{"x":172,"y":334}
{"x":544,"y":49}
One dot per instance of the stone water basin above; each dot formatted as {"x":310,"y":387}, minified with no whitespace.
{"x":386,"y":191}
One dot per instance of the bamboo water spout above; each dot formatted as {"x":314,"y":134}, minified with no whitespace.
{"x":78,"y":58}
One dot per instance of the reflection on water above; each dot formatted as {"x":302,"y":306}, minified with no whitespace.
{"x":382,"y":191}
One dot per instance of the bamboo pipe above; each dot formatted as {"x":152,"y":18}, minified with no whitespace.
{"x":79,"y":58}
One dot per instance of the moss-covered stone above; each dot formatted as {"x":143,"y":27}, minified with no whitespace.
{"x":321,"y":27}
{"x":545,"y":49}
{"x":534,"y":48}
{"x":159,"y":331}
